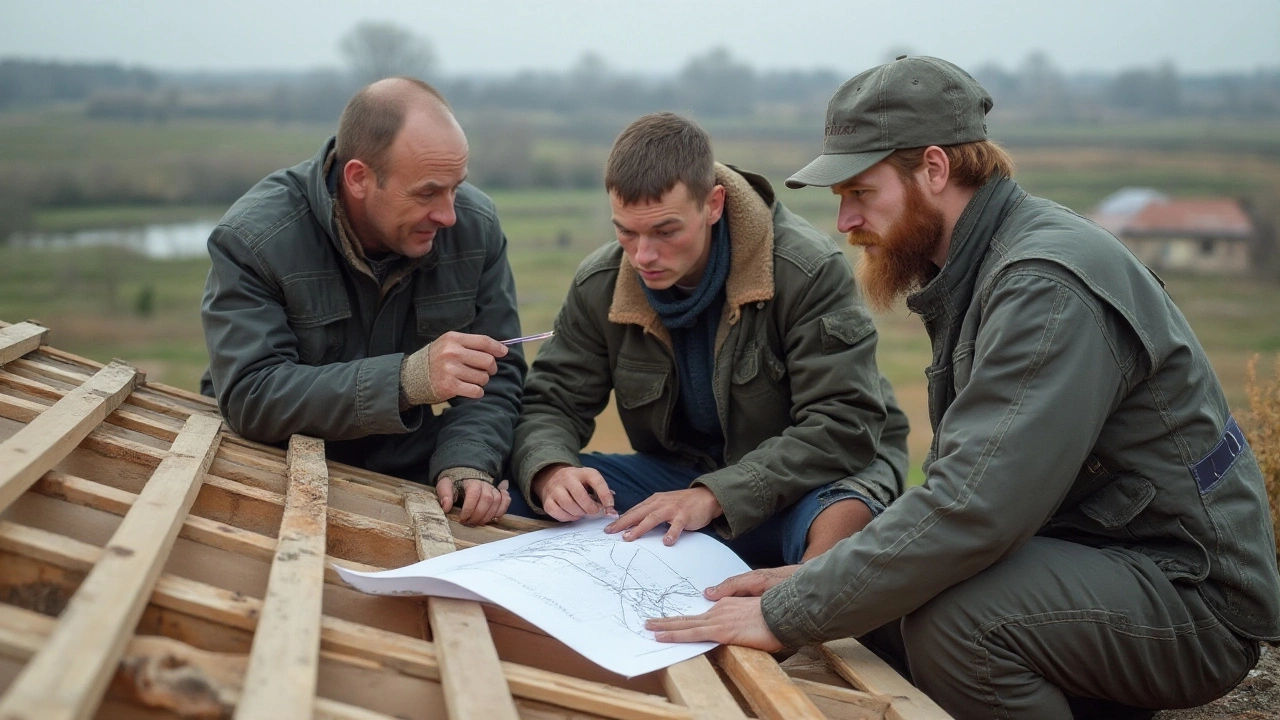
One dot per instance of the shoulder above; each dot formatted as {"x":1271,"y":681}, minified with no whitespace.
{"x":799,"y":245}
{"x":602,"y":264}
{"x":473,"y":204}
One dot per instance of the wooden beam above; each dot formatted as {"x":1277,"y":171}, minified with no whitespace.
{"x":222,"y":536}
{"x":285,"y":658}
{"x":695,"y":684}
{"x":160,"y":672}
{"x":470,"y":671}
{"x":765,"y":686}
{"x":36,"y":448}
{"x":408,"y":655}
{"x":69,"y":675}
{"x":18,"y":340}
{"x":858,"y":665}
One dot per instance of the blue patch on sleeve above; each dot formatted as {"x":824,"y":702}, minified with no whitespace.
{"x":1214,"y":466}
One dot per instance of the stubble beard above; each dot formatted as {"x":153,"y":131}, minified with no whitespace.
{"x":905,"y":258}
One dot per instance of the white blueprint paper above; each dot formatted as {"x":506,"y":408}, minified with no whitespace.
{"x":589,"y":590}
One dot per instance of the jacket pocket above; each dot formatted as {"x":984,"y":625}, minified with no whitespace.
{"x":438,"y":314}
{"x":758,"y":371}
{"x":1117,"y":503}
{"x":637,"y":384}
{"x":317,"y":307}
{"x":845,"y":328}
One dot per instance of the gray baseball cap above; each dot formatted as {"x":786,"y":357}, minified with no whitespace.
{"x":908,"y":103}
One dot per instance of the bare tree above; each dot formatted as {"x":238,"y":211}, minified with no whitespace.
{"x":377,"y":50}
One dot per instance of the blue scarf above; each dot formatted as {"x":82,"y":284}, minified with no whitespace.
{"x":693,"y":321}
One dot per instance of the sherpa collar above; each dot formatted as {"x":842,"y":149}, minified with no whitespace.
{"x":750,"y":266}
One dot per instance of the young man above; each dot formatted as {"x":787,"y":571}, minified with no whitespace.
{"x":742,"y":363}
{"x":353,"y":291}
{"x":1092,"y":535}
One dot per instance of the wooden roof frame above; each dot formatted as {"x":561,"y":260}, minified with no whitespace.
{"x":154,"y":564}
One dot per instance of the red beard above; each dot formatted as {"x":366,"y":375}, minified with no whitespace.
{"x":903,"y":260}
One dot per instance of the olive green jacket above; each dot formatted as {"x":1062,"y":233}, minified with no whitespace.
{"x":1069,"y":398}
{"x":800,"y":400}
{"x":303,"y":339}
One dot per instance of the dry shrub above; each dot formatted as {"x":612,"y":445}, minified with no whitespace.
{"x":1264,"y":433}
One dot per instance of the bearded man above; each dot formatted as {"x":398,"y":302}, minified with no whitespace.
{"x":1092,"y":538}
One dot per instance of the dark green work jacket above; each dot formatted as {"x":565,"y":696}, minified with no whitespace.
{"x":303,"y":340}
{"x":1069,"y":398}
{"x":800,"y":400}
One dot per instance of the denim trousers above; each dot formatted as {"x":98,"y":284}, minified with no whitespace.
{"x":1059,"y":630}
{"x":780,"y":540}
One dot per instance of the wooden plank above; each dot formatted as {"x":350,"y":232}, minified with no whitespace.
{"x":470,"y":671}
{"x":36,"y":448}
{"x":164,"y":673}
{"x":856,"y":703}
{"x":69,"y":675}
{"x":765,"y":686}
{"x":202,"y":530}
{"x":695,"y":684}
{"x":858,"y":665}
{"x":285,"y":658}
{"x":18,"y":340}
{"x":408,"y":655}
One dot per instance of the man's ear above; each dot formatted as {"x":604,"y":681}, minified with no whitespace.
{"x":937,"y":169}
{"x":715,"y":204}
{"x":358,"y":176}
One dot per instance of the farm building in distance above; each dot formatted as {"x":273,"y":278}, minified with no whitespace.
{"x":1211,"y":236}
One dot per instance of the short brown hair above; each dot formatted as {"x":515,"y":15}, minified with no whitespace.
{"x":655,"y":153}
{"x":373,"y":117}
{"x":972,"y":163}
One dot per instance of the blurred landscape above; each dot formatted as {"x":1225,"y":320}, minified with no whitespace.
{"x":110,"y":176}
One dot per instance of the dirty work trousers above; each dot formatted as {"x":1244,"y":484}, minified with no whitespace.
{"x":1062,"y":630}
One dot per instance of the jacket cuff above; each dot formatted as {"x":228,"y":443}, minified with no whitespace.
{"x":787,"y":619}
{"x":464,"y":454}
{"x":534,"y":461}
{"x":378,"y":396}
{"x":743,"y":495}
{"x":465,"y":473}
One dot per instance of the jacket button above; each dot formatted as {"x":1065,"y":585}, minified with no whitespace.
{"x":760,"y":305}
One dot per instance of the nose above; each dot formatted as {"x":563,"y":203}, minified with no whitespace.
{"x":646,"y":252}
{"x":443,"y":213}
{"x":849,"y":218}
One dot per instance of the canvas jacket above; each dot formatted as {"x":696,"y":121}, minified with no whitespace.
{"x":303,"y":339}
{"x":800,"y":400}
{"x":1069,"y":398}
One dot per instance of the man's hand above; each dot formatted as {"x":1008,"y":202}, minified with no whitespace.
{"x":453,"y":365}
{"x":566,"y":492}
{"x":482,"y":503}
{"x":731,"y":621}
{"x":750,"y":584}
{"x":691,"y":509}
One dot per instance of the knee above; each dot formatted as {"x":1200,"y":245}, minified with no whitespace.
{"x":835,"y":523}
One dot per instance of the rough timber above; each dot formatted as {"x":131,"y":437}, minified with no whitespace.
{"x":153,"y":564}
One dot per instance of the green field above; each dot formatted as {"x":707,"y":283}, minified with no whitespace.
{"x":104,"y":303}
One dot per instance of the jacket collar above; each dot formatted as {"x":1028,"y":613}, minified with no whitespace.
{"x":750,"y":265}
{"x":344,"y":235}
{"x":948,"y":294}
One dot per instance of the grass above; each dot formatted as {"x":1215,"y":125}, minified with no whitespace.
{"x":1262,"y":426}
{"x":89,"y":298}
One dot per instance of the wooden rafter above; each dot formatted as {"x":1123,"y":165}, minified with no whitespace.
{"x":68,"y":676}
{"x":281,"y":681}
{"x":86,"y":472}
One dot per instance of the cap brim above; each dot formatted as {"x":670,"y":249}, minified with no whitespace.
{"x":833,"y":169}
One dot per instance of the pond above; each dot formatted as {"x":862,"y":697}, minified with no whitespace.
{"x":159,"y":241}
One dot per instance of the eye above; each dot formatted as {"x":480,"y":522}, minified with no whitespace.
{"x":666,"y":234}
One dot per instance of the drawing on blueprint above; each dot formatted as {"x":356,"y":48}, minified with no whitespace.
{"x":638,"y":583}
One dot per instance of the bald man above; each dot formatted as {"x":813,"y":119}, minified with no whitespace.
{"x":352,"y":292}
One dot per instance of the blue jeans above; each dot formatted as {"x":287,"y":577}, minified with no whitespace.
{"x":780,"y":540}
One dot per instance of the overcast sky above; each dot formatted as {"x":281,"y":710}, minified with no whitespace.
{"x":652,"y":36}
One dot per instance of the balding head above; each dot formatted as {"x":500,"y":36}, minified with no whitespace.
{"x":376,"y":114}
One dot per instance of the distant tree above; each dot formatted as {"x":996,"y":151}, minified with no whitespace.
{"x":376,"y":50}
{"x":1154,"y":92}
{"x":1044,"y":89}
{"x":717,"y":84}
